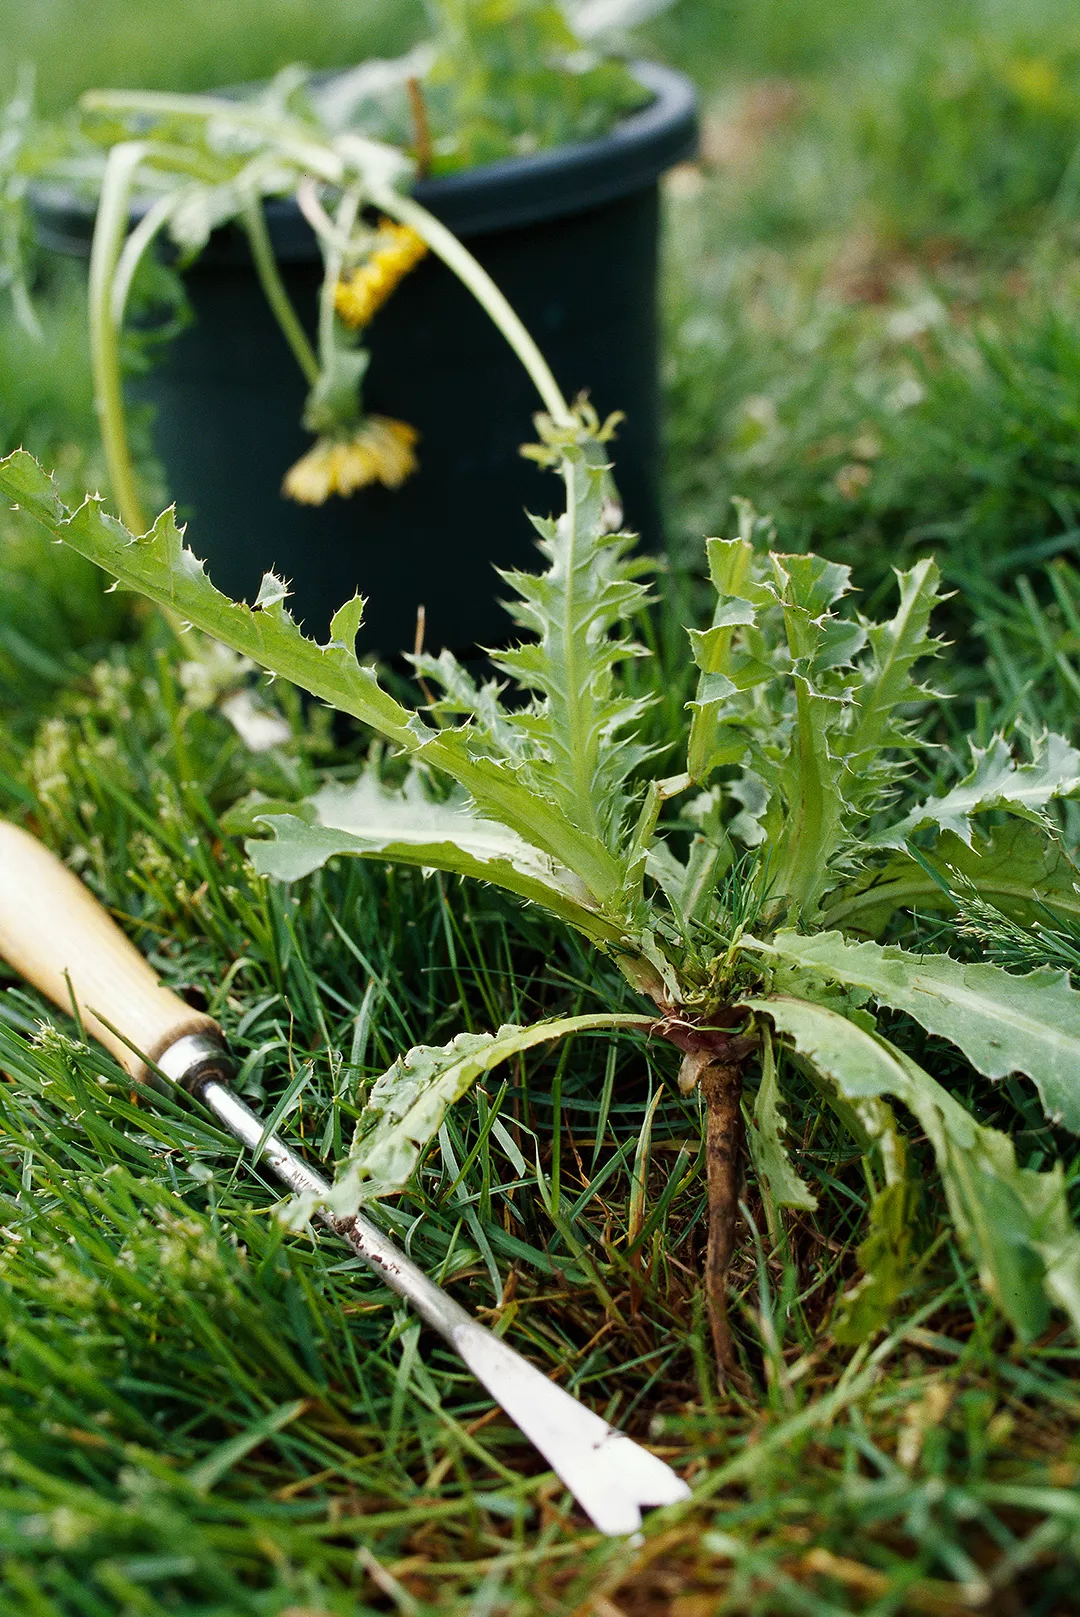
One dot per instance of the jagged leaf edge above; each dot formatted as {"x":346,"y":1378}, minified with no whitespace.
{"x":299,"y":847}
{"x":1018,"y":868}
{"x":572,"y":607}
{"x":160,"y":566}
{"x":979,"y":1007}
{"x":765,"y":1139}
{"x":996,"y":781}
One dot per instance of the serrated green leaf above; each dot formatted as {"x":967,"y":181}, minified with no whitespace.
{"x":463,"y":698}
{"x":812,"y":584}
{"x":505,"y":791}
{"x":407,"y":826}
{"x":841,"y":641}
{"x":722,"y":671}
{"x":1015,"y":1223}
{"x":582,"y":756}
{"x":996,"y":782}
{"x":896,"y":647}
{"x":1003,"y":1024}
{"x":406,"y":1106}
{"x":810,"y":701}
{"x":160,"y":566}
{"x":765,"y":1138}
{"x":810,"y":782}
{"x":810,"y":774}
{"x":1018,"y":868}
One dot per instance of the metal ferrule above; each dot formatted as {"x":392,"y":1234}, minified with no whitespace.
{"x":194,"y":1058}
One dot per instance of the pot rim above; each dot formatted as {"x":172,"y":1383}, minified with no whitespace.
{"x":580,"y":175}
{"x":505,"y":195}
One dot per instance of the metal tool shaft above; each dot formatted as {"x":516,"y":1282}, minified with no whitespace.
{"x":369,"y":1243}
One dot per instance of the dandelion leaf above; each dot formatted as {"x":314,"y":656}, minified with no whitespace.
{"x":1014,"y":1222}
{"x":407,"y":1105}
{"x":765,"y":1138}
{"x":729,"y":662}
{"x":996,"y":781}
{"x":810,"y":776}
{"x":580,"y":732}
{"x":887,"y":684}
{"x":810,"y":699}
{"x":1002,"y":1023}
{"x":1018,"y":868}
{"x":408,"y":826}
{"x":160,"y":566}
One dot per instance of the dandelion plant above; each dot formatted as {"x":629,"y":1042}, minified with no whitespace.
{"x":749,"y":937}
{"x":742,"y":897}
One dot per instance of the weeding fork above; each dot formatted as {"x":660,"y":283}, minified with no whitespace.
{"x":57,"y":935}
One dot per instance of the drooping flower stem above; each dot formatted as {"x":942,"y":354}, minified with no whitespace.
{"x":334,"y":258}
{"x":457,"y":257}
{"x":110,"y":230}
{"x":376,"y":174}
{"x":262,"y":253}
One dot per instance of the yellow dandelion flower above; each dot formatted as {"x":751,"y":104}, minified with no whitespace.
{"x":360,"y":294}
{"x":380,"y":451}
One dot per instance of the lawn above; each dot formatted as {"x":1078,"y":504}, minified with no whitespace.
{"x":871,"y":332}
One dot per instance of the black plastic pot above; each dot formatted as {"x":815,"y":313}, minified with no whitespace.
{"x":570,"y":236}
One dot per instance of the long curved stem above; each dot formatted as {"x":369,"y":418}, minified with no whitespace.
{"x":458,"y":258}
{"x":334,"y":256}
{"x":149,"y":226}
{"x":266,"y":268}
{"x":110,"y":230}
{"x":294,"y":140}
{"x":377,"y":166}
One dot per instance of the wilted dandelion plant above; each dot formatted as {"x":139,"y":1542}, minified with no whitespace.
{"x":494,"y":81}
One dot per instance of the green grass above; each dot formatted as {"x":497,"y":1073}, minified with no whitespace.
{"x":201,"y":1414}
{"x":871,"y":322}
{"x":937,"y":415}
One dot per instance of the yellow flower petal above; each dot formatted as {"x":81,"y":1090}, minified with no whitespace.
{"x":359,"y":295}
{"x":380,"y":451}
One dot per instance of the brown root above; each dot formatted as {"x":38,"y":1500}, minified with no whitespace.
{"x":713,"y":1057}
{"x":721,"y":1086}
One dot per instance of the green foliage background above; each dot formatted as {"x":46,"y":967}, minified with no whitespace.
{"x":130,"y":44}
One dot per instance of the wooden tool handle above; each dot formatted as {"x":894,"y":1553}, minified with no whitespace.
{"x":57,"y":935}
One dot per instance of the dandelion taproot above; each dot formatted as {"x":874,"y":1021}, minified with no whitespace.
{"x":363,"y":291}
{"x":380,"y":450}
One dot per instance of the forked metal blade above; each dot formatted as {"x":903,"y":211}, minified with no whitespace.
{"x":611,"y":1477}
